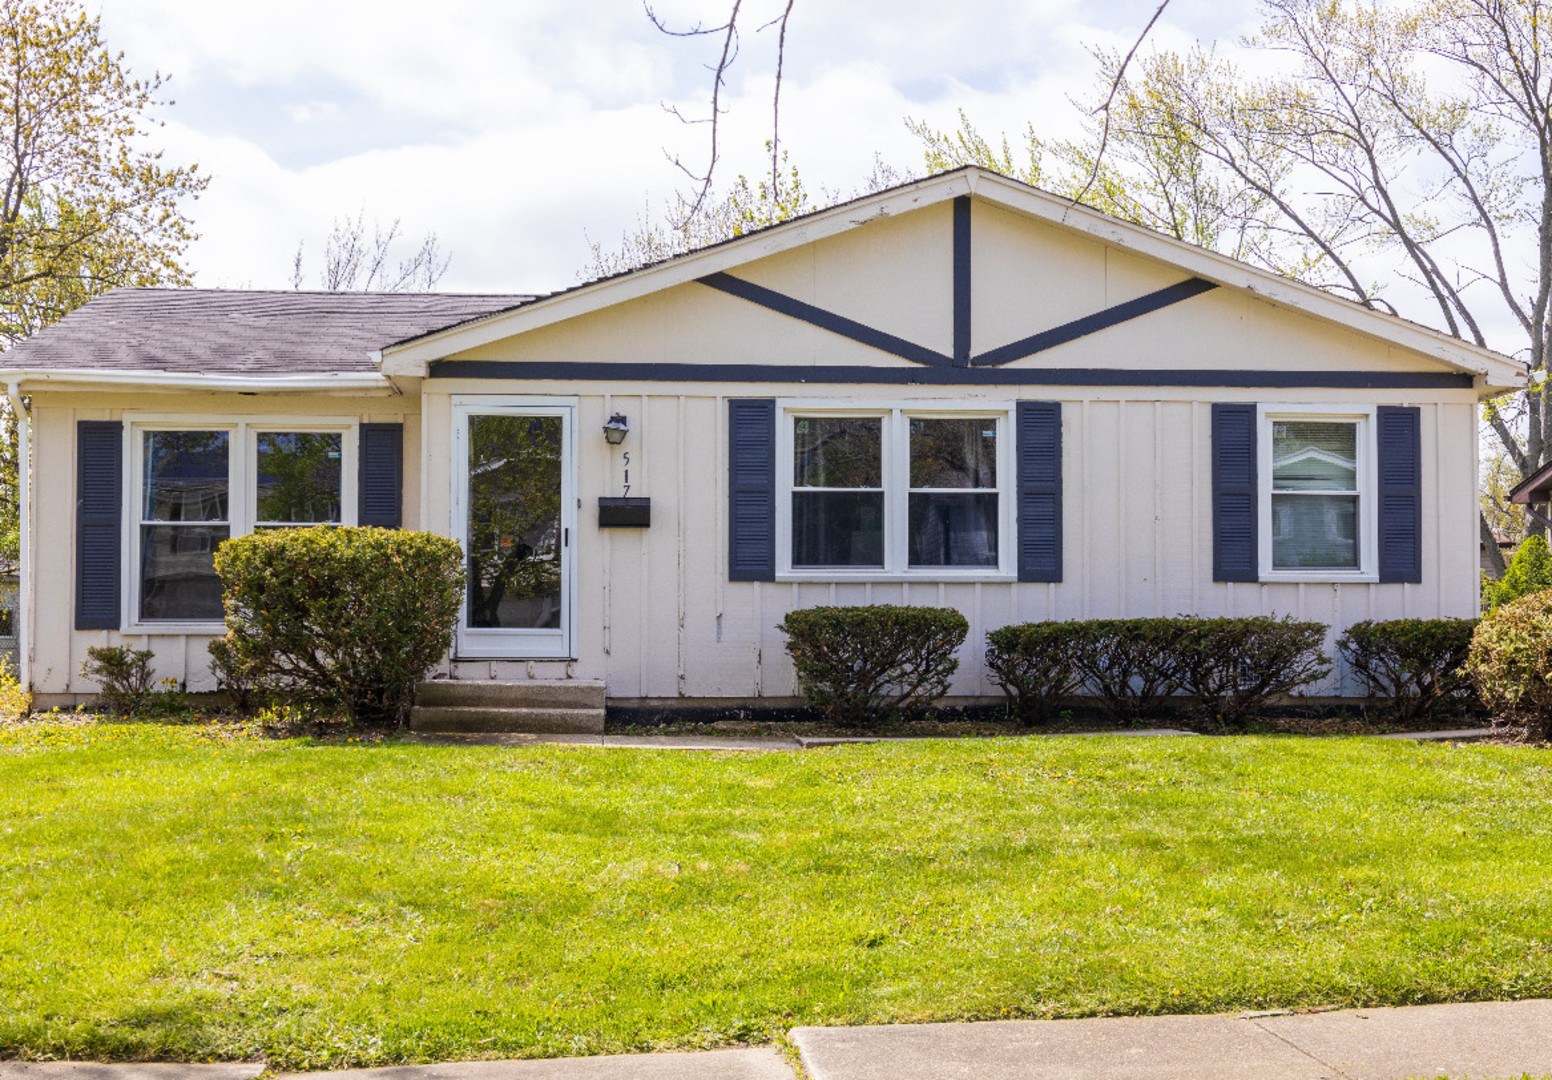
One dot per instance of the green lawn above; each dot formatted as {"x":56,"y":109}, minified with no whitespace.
{"x":166,"y":892}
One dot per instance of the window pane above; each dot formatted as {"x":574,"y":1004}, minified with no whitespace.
{"x":1315,"y":531}
{"x":953,"y":530}
{"x":1314,"y":455}
{"x":177,"y":575}
{"x":514,"y":522}
{"x":185,"y":475}
{"x":953,"y":453}
{"x":299,"y":476}
{"x":837,"y":452}
{"x":838,"y":528}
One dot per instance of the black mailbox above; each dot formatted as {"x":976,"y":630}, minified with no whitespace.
{"x":624,"y":513}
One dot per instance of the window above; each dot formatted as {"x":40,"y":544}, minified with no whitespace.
{"x":197,"y":486}
{"x":1316,"y":507}
{"x":914,"y":492}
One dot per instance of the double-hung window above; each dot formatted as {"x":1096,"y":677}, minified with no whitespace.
{"x":1317,"y":501}
{"x":909,"y":491}
{"x":197,"y":485}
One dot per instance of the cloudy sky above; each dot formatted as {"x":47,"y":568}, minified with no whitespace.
{"x":516,"y":129}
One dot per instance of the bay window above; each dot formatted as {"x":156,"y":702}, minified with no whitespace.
{"x":199,"y":484}
{"x":888,"y":492}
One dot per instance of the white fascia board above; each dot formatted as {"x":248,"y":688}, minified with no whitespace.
{"x":358,"y":383}
{"x":411,"y":358}
{"x":1499,"y":371}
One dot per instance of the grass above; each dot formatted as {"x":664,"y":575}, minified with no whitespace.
{"x":191,"y":893}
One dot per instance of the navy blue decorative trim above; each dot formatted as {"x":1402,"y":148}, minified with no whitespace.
{"x":962,"y":281}
{"x":1039,"y":451}
{"x":825,"y":320}
{"x":1100,"y":320}
{"x":752,"y":489}
{"x":380,"y":476}
{"x":1400,"y":514}
{"x":1236,"y":493}
{"x":99,"y":511}
{"x":841,"y":375}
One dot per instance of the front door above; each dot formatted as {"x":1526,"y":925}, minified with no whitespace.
{"x":514,"y":508}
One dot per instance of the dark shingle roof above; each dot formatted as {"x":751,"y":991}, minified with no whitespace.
{"x":222,"y":331}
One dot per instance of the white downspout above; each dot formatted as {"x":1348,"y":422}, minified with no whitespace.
{"x":24,"y":528}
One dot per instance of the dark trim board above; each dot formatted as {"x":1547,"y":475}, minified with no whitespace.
{"x":1100,"y":320}
{"x":588,"y":371}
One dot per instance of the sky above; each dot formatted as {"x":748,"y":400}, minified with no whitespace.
{"x":519,"y":130}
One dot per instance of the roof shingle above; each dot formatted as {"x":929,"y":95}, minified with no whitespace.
{"x":241,"y":332}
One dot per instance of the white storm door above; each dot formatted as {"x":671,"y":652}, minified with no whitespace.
{"x":514,"y":511}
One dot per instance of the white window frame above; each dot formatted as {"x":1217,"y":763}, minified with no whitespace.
{"x":242,"y":491}
{"x":896,"y":465}
{"x":1368,"y":494}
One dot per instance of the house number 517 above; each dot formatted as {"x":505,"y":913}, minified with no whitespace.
{"x":625,"y":460}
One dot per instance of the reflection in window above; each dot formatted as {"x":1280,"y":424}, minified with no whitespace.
{"x":298,"y":475}
{"x":838,"y":492}
{"x":184,"y":516}
{"x":514,"y":521}
{"x":953,"y":496}
{"x":1315,"y":513}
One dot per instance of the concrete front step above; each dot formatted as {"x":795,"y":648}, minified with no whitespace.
{"x":473,"y":719}
{"x":523,"y":693}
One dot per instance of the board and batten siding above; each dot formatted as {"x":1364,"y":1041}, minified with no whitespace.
{"x":660,"y":619}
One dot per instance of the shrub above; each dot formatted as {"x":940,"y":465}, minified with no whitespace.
{"x":1415,"y":663}
{"x":15,"y":699}
{"x":864,"y":665}
{"x":349,"y":617}
{"x":1036,"y":666}
{"x":123,"y":676}
{"x":1529,"y":571}
{"x":241,"y":680}
{"x":1510,"y":663}
{"x":1126,"y":663}
{"x":1231,"y":667}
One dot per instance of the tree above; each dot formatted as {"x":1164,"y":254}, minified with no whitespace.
{"x":352,"y":263}
{"x":744,"y":208}
{"x":86,"y":204}
{"x":1398,"y":155}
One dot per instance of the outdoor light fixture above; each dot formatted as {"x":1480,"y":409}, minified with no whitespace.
{"x":616,"y":429}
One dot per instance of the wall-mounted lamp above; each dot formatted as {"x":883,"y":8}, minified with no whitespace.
{"x":616,"y":429}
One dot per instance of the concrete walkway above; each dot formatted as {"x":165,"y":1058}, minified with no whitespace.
{"x":1464,"y":1042}
{"x":1479,"y":1041}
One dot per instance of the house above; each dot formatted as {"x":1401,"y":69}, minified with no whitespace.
{"x":960,"y":391}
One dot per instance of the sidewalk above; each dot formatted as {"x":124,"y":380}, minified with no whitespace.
{"x":1476,"y":1041}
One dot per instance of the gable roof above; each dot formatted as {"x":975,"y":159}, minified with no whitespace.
{"x":242,"y":333}
{"x":1495,"y":371}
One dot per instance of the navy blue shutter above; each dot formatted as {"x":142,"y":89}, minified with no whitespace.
{"x":99,"y":510}
{"x":1400,"y":512}
{"x":380,"y":490}
{"x":1236,"y":494}
{"x":1039,"y":442}
{"x":752,"y":490}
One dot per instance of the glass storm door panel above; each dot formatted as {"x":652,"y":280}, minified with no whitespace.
{"x":516,"y":521}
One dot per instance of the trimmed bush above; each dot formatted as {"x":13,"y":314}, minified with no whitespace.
{"x":1036,"y":664}
{"x":123,"y":676}
{"x":346,"y":617}
{"x":242,"y":683}
{"x":1127,"y":665}
{"x":1510,"y":663}
{"x":1231,"y":667}
{"x":1414,"y":663}
{"x":866,"y":665}
{"x":1529,"y":571}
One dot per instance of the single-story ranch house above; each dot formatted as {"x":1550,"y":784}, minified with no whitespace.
{"x":961,"y":391}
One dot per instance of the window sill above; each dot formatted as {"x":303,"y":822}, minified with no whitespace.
{"x":174,"y":629}
{"x":893,"y":577}
{"x":1317,"y":577}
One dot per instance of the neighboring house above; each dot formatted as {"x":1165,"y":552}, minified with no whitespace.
{"x":960,"y":391}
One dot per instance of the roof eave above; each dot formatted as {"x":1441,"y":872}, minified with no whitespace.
{"x":27,"y":380}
